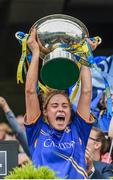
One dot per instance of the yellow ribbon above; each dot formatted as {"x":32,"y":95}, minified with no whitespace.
{"x":44,"y":88}
{"x":21,"y":62}
{"x":74,"y":93}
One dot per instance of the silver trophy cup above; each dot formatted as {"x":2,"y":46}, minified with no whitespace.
{"x":58,"y":33}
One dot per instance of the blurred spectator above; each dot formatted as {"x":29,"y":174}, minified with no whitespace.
{"x":5,"y":131}
{"x":99,"y":110}
{"x":105,"y":155}
{"x":20,"y":134}
{"x":96,"y":147}
{"x":98,"y":143}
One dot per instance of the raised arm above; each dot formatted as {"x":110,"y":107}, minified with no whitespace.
{"x":10,"y":116}
{"x":83,"y":107}
{"x":32,"y":101}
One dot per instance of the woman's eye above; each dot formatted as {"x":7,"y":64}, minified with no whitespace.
{"x":65,"y":106}
{"x":55,"y":105}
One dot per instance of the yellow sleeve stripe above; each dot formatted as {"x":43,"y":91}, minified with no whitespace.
{"x":90,"y":120}
{"x":32,"y":121}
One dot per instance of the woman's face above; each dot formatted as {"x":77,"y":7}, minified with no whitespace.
{"x":58,"y":112}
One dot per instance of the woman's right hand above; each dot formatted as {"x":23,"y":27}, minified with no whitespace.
{"x":33,"y":43}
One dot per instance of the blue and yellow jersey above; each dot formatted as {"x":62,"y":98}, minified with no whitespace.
{"x":62,"y":151}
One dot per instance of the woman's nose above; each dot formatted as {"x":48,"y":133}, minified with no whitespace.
{"x":60,"y":108}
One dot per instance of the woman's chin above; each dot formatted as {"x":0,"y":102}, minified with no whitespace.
{"x":60,"y":127}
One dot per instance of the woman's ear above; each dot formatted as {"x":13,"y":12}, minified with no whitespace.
{"x":98,"y":145}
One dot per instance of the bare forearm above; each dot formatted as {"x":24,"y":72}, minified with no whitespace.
{"x":32,"y":102}
{"x":86,"y":81}
{"x":32,"y":75}
{"x":86,"y":93}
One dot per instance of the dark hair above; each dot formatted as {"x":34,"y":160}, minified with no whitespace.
{"x":104,"y":139}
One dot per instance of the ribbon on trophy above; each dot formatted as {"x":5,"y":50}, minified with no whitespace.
{"x":92,"y":63}
{"x":25,"y":60}
{"x":67,"y":38}
{"x":81,"y":52}
{"x":22,"y":37}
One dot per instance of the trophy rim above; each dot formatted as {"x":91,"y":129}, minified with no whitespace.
{"x":60,"y":16}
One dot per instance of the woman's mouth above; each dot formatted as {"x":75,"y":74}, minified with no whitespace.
{"x":60,"y":118}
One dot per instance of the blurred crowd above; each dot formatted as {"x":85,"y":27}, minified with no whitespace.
{"x":99,"y":150}
{"x":12,"y":129}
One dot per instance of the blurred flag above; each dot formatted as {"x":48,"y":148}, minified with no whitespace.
{"x":106,"y":66}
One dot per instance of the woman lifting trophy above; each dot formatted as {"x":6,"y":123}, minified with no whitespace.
{"x":57,"y":137}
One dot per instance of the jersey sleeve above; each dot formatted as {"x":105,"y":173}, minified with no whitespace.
{"x":33,"y":131}
{"x":83,"y":127}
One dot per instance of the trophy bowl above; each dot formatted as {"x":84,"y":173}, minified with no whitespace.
{"x":58,"y":33}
